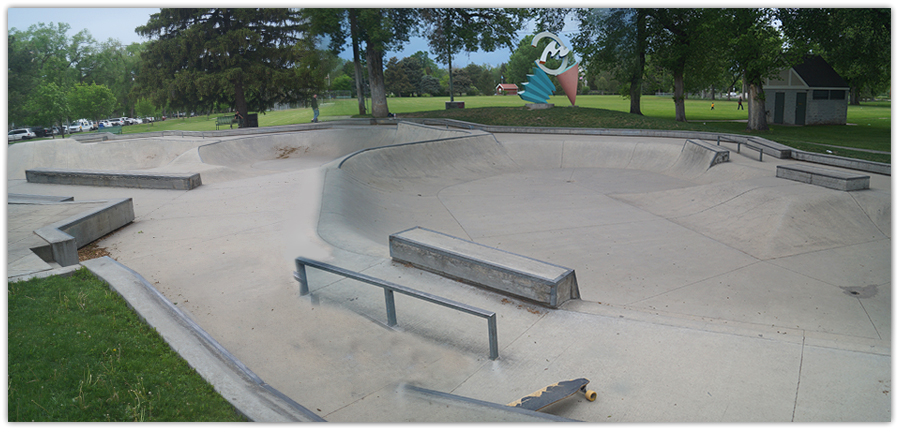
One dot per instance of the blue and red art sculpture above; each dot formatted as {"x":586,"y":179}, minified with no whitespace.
{"x":539,"y":88}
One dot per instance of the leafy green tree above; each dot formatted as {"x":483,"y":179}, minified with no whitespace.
{"x":145,"y":108}
{"x":251,"y":58}
{"x":49,"y":105}
{"x":755,"y":50}
{"x":116,"y":66}
{"x":39,"y":55}
{"x":452,"y":30}
{"x":380,"y":29}
{"x":615,"y":40}
{"x":429,"y":85}
{"x":685,"y":42}
{"x":93,"y":102}
{"x":856,"y":42}
{"x":342,"y":82}
{"x":397,"y":79}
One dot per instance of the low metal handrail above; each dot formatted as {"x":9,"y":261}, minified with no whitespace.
{"x":390,"y":288}
{"x":732,"y":140}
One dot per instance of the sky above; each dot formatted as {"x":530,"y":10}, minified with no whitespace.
{"x":104,"y":22}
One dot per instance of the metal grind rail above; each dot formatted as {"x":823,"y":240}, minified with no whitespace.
{"x":390,"y":289}
{"x":730,"y":139}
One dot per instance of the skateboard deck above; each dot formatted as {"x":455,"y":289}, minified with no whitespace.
{"x":554,"y":393}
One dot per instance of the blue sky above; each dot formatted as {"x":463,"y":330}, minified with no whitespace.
{"x":119,"y":23}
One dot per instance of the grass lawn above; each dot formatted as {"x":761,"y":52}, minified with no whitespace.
{"x":869,"y":125}
{"x":78,"y":353}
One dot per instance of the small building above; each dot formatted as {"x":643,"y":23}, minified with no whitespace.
{"x":808,"y":93}
{"x":507,"y":88}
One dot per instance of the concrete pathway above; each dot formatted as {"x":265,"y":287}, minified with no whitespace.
{"x":723,"y":295}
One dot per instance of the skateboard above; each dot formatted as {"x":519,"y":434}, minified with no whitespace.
{"x":554,"y":393}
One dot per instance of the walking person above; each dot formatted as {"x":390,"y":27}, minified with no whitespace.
{"x":712,"y":106}
{"x":740,"y":102}
{"x":315,"y":108}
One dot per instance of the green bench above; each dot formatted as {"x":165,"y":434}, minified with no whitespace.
{"x":110,"y":129}
{"x":221,"y":121}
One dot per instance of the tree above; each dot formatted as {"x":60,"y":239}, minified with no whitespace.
{"x":145,"y":108}
{"x":379,"y":29}
{"x":616,"y":41}
{"x":40,"y":55}
{"x":93,"y":102}
{"x":397,"y":79}
{"x":451,"y":30}
{"x":49,"y":106}
{"x":856,"y":42}
{"x":250,"y":58}
{"x":685,"y":42}
{"x":755,"y":50}
{"x":429,"y":85}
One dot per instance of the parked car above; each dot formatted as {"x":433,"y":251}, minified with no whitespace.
{"x":74,"y":128}
{"x":20,"y":134}
{"x":122,"y":121}
{"x":41,"y":131}
{"x":135,"y":120}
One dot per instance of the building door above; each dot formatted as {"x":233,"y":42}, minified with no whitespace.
{"x":779,"y":108}
{"x":800,"y":112}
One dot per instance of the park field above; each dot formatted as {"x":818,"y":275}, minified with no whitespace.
{"x":868,"y":125}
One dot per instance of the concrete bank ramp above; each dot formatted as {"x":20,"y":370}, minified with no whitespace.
{"x":382,"y":190}
{"x":136,"y":154}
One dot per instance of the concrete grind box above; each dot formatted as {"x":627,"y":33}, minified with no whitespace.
{"x":485,"y":266}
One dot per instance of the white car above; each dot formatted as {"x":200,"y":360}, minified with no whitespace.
{"x":75,"y":127}
{"x":20,"y":134}
{"x":135,"y":120}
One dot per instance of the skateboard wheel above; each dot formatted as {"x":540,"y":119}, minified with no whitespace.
{"x":590,"y":395}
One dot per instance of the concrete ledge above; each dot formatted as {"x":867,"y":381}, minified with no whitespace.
{"x":851,"y":163}
{"x":836,"y":180}
{"x":36,"y":198}
{"x":534,"y":106}
{"x":123,"y":179}
{"x":485,"y":266}
{"x":66,"y":236}
{"x":247,"y":392}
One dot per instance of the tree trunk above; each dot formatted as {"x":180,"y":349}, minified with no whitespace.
{"x":679,"y":96}
{"x":376,"y":81}
{"x":854,"y":95}
{"x":756,"y":108}
{"x":240,"y":103}
{"x":354,"y":38}
{"x":450,"y":69}
{"x":637,"y":76}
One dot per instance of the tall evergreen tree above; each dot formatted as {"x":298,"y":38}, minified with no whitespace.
{"x":250,"y":58}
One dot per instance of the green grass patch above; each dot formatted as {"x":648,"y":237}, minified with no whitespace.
{"x":78,"y":353}
{"x":868,"y":125}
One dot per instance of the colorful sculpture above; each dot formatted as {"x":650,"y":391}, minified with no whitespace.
{"x":539,"y":88}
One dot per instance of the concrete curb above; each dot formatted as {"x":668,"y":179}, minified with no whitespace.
{"x":777,"y":149}
{"x":249,"y":394}
{"x":66,"y":236}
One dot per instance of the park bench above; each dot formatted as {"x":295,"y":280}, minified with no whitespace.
{"x":110,"y":129}
{"x":485,"y":266}
{"x":222,"y":121}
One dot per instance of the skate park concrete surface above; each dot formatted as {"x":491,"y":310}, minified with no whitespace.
{"x":709,"y":293}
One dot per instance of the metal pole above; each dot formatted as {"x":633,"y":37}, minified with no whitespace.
{"x":391,"y":309}
{"x":301,"y":277}
{"x":492,"y":336}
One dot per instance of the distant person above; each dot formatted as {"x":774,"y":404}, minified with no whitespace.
{"x":239,"y":118}
{"x":740,"y":102}
{"x":315,"y":106}
{"x":712,"y":106}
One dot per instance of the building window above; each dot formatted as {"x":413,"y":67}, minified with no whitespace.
{"x":837,"y":95}
{"x":820,"y":94}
